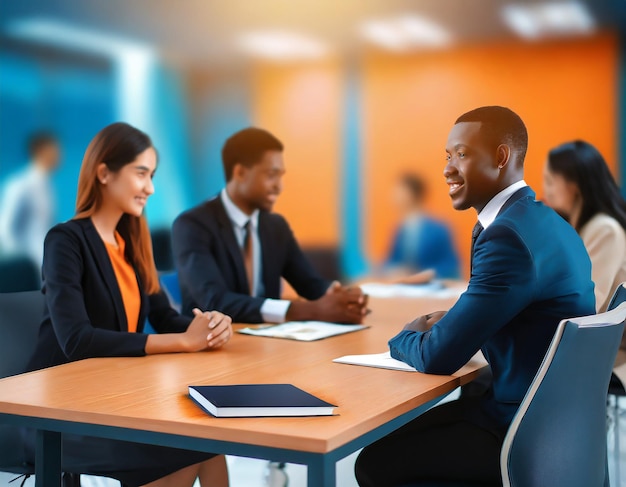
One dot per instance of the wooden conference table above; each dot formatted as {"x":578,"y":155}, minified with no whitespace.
{"x":145,"y":399}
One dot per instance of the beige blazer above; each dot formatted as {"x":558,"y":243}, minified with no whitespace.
{"x":605,"y":240}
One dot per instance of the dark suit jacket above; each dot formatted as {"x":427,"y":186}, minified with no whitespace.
{"x":84,"y":313}
{"x":211,"y":269}
{"x":530,"y":271}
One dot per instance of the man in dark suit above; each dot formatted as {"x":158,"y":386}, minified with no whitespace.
{"x":529,"y":271}
{"x":231,"y":251}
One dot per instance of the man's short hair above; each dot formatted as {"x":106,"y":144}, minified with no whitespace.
{"x":247,"y":147}
{"x":40,"y":140}
{"x":501,"y":126}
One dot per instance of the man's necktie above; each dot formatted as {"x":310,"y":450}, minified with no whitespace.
{"x":248,"y":255}
{"x":475,"y":233}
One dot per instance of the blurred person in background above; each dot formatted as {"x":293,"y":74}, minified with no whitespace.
{"x":28,"y":202}
{"x":579,"y":186}
{"x":422,"y":246}
{"x":577,"y":183}
{"x":100,"y":285}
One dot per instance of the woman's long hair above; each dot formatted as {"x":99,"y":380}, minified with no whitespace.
{"x":117,"y":145}
{"x":580,"y":163}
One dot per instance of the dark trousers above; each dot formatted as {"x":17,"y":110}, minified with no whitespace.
{"x":445,"y":444}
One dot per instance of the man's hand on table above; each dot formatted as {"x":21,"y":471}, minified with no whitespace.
{"x":424,"y":323}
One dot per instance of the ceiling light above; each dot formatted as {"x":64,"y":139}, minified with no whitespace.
{"x":281,"y":45}
{"x":548,"y":19}
{"x":68,"y":36}
{"x":405,"y":32}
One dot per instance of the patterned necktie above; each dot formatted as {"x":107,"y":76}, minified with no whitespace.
{"x":248,"y":256}
{"x":475,"y":233}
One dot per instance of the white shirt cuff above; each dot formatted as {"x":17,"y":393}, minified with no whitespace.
{"x":274,"y":310}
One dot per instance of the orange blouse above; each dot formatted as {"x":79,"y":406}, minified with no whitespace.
{"x":126,"y":280}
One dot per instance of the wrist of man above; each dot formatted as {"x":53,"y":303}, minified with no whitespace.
{"x":303,"y":310}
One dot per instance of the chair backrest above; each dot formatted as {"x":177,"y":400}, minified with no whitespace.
{"x":325,"y":260}
{"x":558,"y":435}
{"x":169,"y":283}
{"x":619,"y":296}
{"x":162,"y":249}
{"x":18,"y":274}
{"x":20,"y":316}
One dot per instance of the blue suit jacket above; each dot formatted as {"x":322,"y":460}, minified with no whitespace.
{"x":211,"y":269}
{"x":433,"y":249}
{"x":530,"y":271}
{"x":84,"y":313}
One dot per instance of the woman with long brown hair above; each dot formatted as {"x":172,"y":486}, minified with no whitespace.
{"x":579,"y":186}
{"x":100,"y":285}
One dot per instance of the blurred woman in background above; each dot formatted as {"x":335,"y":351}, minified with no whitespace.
{"x":100,"y":285}
{"x":580,"y":187}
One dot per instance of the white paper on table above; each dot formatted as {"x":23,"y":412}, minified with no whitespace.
{"x":433,"y":289}
{"x":380,"y":360}
{"x":386,"y":361}
{"x":306,"y":331}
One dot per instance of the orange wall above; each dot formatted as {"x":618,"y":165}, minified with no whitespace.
{"x":300,"y":104}
{"x":561,"y":90}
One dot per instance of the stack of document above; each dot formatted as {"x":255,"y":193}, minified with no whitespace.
{"x":306,"y":331}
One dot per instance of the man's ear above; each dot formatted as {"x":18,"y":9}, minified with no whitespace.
{"x":503,"y":155}
{"x":239,"y":171}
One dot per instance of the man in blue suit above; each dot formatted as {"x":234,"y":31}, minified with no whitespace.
{"x":529,"y":271}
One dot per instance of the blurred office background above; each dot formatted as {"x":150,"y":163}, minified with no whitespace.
{"x":359,"y":91}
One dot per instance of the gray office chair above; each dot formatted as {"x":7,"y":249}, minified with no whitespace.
{"x":616,"y":390}
{"x":19,"y":274}
{"x":20,"y":315}
{"x":558,"y":435}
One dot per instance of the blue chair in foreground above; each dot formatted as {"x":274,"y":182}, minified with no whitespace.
{"x":616,"y":390}
{"x":558,"y":436}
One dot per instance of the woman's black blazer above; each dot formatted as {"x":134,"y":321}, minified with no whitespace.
{"x":84,"y":313}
